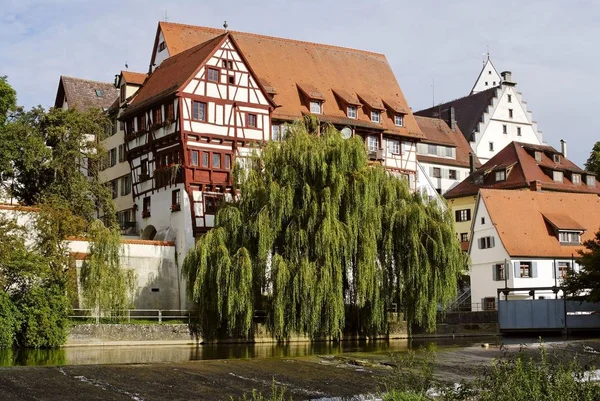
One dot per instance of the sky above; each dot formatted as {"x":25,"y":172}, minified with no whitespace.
{"x":551,"y":46}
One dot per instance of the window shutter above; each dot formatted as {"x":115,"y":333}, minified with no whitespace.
{"x":494,"y":273}
{"x":554,"y":272}
{"x":431,"y":171}
{"x":468,"y":214}
{"x":457,"y":216}
{"x":492,"y":242}
{"x":480,"y":241}
{"x":517,"y":269}
{"x":534,"y":272}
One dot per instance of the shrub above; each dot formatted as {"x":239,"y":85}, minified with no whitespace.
{"x":9,"y":320}
{"x":44,"y":318}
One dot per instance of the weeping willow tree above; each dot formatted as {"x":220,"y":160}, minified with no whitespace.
{"x":106,"y":285}
{"x":324,"y":243}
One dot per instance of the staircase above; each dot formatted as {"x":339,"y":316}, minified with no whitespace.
{"x":462,"y":303}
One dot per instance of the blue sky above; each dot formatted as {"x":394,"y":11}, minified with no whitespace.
{"x":549,"y":45}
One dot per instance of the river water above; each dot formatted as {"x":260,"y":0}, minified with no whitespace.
{"x":108,"y":355}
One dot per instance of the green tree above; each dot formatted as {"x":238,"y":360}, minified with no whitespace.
{"x":588,"y":278}
{"x":9,"y":320}
{"x":105,"y":284}
{"x":593,"y":162}
{"x":321,"y":241}
{"x":8,"y":100}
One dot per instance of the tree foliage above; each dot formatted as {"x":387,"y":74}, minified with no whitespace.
{"x":321,"y":240}
{"x":105,"y":284}
{"x":593,"y":162}
{"x":587,"y":280}
{"x":9,"y":320}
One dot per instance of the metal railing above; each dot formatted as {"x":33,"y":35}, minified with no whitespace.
{"x":128,"y":315}
{"x":474,"y":307}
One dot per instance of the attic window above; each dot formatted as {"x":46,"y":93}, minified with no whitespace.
{"x":398,"y":120}
{"x":576,"y":179}
{"x":161,"y":46}
{"x":557,"y":176}
{"x":376,"y":116}
{"x":315,"y":107}
{"x":556,"y":158}
{"x":590,"y":180}
{"x":569,"y":237}
{"x":538,"y":156}
{"x":500,"y":175}
{"x":351,"y":111}
{"x":213,"y":75}
{"x":99,"y":93}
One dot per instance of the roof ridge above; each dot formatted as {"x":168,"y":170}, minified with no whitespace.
{"x":86,"y":80}
{"x":459,"y":98}
{"x":368,"y":52}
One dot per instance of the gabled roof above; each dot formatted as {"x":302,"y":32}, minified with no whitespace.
{"x":438,"y":132}
{"x":173,"y":73}
{"x":286,"y":65}
{"x":519,"y":219}
{"x":83,"y":94}
{"x":468,"y":110}
{"x":487,"y":66}
{"x":134,"y":78}
{"x":518,"y":159}
{"x":562,"y":221}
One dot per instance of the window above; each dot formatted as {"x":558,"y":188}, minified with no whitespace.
{"x":491,"y":146}
{"x":114,"y":187}
{"x":375,"y":116}
{"x":437,"y":172}
{"x":504,"y":129}
{"x":482,"y":220}
{"x":500,"y":175}
{"x":556,"y":158}
{"x":146,"y":208}
{"x":213,"y":75}
{"x":176,"y":197}
{"x":121,"y":153}
{"x":210,"y":205}
{"x":486,"y":242}
{"x":194,"y":158}
{"x":142,"y":122}
{"x":452,"y":174}
{"x":509,"y":98}
{"x":224,"y":63}
{"x":450,"y":151}
{"x":113,"y":156}
{"x":489,"y":303}
{"x":525,"y":270}
{"x":125,"y":185}
{"x":394,"y":146}
{"x":590,"y":180}
{"x":170,"y":108}
{"x":205,"y":158}
{"x":462,"y":215}
{"x":157,"y":114}
{"x":372,"y":143}
{"x":276,"y":132}
{"x":198,"y":111}
{"x":231,"y":79}
{"x":569,"y":237}
{"x":99,"y":93}
{"x":557,"y":176}
{"x":315,"y":107}
{"x":486,"y":83}
{"x":563,"y":269}
{"x":518,"y":131}
{"x":510,"y":113}
{"x":216,"y":160}
{"x":351,"y":111}
{"x":144,"y":168}
{"x":123,"y":93}
{"x":464,"y":237}
{"x":252,"y":120}
{"x":538,"y":156}
{"x":228,"y":162}
{"x":499,"y":272}
{"x":161,"y":46}
{"x":576,"y":179}
{"x":230,"y":64}
{"x":431,"y":149}
{"x":398,"y":120}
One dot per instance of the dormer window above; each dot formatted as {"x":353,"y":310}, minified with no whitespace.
{"x":398,"y":120}
{"x":590,"y":180}
{"x":556,"y":158}
{"x":569,"y":237}
{"x":557,"y":176}
{"x":500,"y":175}
{"x":351,"y":111}
{"x":576,"y":179}
{"x":316,"y":107}
{"x":376,"y":116}
{"x":538,"y":156}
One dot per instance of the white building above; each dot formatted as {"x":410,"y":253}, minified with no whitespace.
{"x":493,"y":115}
{"x":524,"y":239}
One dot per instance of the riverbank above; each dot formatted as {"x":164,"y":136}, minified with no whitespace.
{"x":308,"y":377}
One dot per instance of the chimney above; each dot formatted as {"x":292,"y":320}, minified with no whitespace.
{"x":507,"y":77}
{"x":471,"y":162}
{"x":563,"y":148}
{"x":535,"y":186}
{"x":452,"y":118}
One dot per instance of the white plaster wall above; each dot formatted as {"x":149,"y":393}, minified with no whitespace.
{"x":160,"y":56}
{"x":445,"y":184}
{"x":488,"y":78}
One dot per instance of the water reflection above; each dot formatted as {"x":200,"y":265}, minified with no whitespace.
{"x":99,"y":355}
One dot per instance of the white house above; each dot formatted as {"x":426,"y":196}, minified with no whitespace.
{"x":493,"y":115}
{"x":526,"y":239}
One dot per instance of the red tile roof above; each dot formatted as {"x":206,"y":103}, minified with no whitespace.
{"x":519,"y":219}
{"x":438,"y":132}
{"x":134,"y":78}
{"x":284,"y":64}
{"x":518,"y":159}
{"x":84,"y":94}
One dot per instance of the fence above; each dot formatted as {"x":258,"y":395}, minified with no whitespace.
{"x":128,"y":315}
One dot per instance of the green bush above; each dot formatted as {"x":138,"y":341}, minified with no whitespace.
{"x":9,"y":320}
{"x":404,"y":396}
{"x":44,"y":318}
